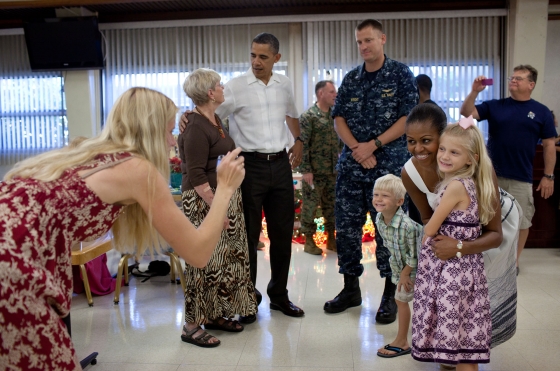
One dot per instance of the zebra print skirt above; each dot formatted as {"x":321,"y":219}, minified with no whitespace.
{"x":223,"y":288}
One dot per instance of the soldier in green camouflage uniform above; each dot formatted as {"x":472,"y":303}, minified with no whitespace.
{"x":321,"y":147}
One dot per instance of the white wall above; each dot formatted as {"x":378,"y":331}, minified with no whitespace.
{"x":527,"y":37}
{"x":551,"y":77}
{"x":83,"y":108}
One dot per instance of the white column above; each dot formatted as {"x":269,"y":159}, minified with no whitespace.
{"x":527,"y":31}
{"x":551,"y":77}
{"x":83,"y":107}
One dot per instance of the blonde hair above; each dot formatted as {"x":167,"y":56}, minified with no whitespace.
{"x":137,"y":124}
{"x":198,"y":83}
{"x":480,"y":169}
{"x":390,"y":183}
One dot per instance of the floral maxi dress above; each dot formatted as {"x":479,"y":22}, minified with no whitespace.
{"x":39,"y":223}
{"x":451,"y":311}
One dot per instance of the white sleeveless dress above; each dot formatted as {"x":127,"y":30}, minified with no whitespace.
{"x":499,"y":263}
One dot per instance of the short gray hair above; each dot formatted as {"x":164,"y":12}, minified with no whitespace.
{"x":533,"y":73}
{"x":198,"y":83}
{"x":321,"y":84}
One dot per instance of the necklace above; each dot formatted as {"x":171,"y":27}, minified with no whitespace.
{"x":220,"y":130}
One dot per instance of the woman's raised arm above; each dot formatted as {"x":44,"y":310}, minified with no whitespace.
{"x":195,"y":245}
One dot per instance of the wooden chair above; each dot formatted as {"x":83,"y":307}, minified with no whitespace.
{"x":176,"y":268}
{"x":84,"y":252}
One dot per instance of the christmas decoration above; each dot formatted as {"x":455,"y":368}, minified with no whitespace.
{"x":320,"y":236}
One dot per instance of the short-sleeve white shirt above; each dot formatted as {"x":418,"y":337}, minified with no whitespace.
{"x":257,"y":112}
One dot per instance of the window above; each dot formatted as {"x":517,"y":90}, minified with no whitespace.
{"x":160,"y":58}
{"x":32,"y":106}
{"x":452,"y":50}
{"x":171,"y":83}
{"x":33,"y":117}
{"x":452,"y":84}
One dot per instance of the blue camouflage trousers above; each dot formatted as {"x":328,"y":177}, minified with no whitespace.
{"x":353,"y":201}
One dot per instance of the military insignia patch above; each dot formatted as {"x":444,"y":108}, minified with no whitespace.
{"x":387,"y":93}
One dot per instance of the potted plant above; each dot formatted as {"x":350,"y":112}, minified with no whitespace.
{"x":175,"y":172}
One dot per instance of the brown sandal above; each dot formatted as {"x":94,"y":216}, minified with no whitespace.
{"x":201,"y":340}
{"x":227,"y":325}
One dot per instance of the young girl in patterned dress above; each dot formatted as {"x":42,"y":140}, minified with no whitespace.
{"x":451,"y":320}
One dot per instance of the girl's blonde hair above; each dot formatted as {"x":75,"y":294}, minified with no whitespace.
{"x":480,"y":169}
{"x":137,"y":124}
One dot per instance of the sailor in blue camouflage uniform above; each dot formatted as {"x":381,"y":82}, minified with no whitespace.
{"x":370,"y":112}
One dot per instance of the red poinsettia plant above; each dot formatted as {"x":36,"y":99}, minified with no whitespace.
{"x":175,"y":165}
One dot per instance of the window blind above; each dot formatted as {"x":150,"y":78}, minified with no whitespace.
{"x":32,"y":107}
{"x":161,"y":58}
{"x":452,"y":51}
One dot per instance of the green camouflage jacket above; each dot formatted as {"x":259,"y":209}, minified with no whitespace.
{"x":321,"y":145}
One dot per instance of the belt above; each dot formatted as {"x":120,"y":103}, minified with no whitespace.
{"x":266,"y":156}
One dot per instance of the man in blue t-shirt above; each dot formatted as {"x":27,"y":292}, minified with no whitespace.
{"x":515,"y":125}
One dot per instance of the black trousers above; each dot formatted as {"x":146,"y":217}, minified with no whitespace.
{"x":268,"y":186}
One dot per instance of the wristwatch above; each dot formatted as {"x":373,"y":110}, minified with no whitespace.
{"x":378,"y":143}
{"x":298,"y":138}
{"x":460,"y":247}
{"x":549,"y":176}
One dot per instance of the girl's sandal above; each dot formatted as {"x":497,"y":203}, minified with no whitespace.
{"x":201,"y":340}
{"x":227,"y":325}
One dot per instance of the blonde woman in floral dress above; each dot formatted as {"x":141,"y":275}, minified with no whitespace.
{"x":117,"y":181}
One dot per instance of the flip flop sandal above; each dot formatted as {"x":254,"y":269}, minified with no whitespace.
{"x":227,"y":325}
{"x":399,"y":352}
{"x":201,"y":340}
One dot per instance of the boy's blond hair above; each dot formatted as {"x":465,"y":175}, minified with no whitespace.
{"x":390,"y":183}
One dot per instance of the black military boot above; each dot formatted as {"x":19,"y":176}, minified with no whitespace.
{"x":387,"y":312}
{"x":350,"y":296}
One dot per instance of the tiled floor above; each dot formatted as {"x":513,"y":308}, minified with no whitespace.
{"x":142,"y":332}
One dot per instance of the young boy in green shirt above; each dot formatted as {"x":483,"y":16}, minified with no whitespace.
{"x":401,"y":235}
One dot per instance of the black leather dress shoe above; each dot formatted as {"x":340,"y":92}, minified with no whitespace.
{"x":288,"y":308}
{"x":259,"y":296}
{"x":248,"y":319}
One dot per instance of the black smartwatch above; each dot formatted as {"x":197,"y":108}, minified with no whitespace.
{"x":298,"y":138}
{"x":549,"y":176}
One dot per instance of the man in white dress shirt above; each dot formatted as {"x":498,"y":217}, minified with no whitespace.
{"x":257,"y":104}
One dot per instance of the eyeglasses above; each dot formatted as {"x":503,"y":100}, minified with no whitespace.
{"x":517,"y":78}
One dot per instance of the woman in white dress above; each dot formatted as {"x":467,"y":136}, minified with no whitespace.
{"x":498,"y":241}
